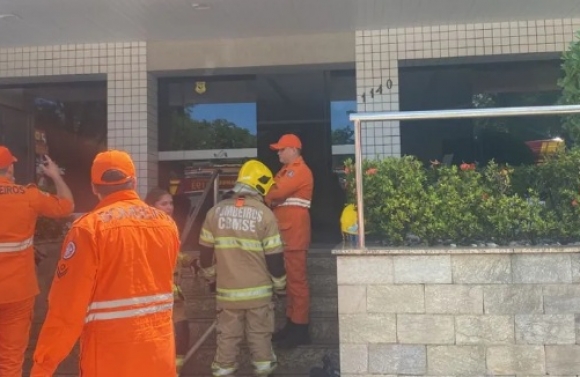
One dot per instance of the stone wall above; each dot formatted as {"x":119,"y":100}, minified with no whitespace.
{"x":500,"y":312}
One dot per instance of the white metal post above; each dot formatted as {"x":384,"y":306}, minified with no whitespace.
{"x":359,"y":183}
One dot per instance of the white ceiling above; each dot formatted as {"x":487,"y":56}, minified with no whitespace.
{"x":50,"y":22}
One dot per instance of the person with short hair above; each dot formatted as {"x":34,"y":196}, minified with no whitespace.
{"x":113,"y":285}
{"x":20,"y":207}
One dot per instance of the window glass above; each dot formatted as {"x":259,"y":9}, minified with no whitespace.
{"x":207,"y":115}
{"x":342,"y":127}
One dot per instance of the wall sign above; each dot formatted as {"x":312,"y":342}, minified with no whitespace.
{"x":378,"y":91}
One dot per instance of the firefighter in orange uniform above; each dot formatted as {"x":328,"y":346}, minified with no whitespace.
{"x":290,"y":199}
{"x":19,"y":207}
{"x":242,"y":234}
{"x":113,"y":286}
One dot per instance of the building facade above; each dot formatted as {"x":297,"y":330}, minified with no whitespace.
{"x":157,"y":92}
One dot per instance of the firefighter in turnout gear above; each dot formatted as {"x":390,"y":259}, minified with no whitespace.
{"x":242,"y":250}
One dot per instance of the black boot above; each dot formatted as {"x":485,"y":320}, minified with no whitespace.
{"x":283,"y":332}
{"x":297,"y":337}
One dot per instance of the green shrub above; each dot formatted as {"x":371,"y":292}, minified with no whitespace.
{"x":467,"y":205}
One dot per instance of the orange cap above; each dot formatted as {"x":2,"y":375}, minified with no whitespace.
{"x":287,"y":141}
{"x":112,"y":160}
{"x":6,"y":157}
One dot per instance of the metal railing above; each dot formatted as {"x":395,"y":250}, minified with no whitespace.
{"x":358,"y":118}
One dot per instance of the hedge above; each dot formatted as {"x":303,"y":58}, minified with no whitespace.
{"x":409,"y":204}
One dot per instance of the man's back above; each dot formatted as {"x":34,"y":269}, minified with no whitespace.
{"x":20,"y":207}
{"x":137,"y":248}
{"x":118,"y":262}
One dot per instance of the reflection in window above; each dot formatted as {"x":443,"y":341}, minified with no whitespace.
{"x":506,"y":140}
{"x":219,"y":113}
{"x":214,"y":126}
{"x":74,"y":120}
{"x":342,"y":128}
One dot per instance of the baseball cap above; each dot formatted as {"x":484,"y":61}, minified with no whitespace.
{"x":112,"y":160}
{"x":6,"y":157}
{"x":287,"y":141}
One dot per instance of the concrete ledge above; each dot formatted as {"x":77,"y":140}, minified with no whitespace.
{"x":459,"y":311}
{"x":343,"y":251}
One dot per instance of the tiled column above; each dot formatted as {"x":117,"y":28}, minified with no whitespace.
{"x":378,"y":53}
{"x":131,"y":93}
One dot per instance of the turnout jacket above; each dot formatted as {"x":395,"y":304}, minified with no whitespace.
{"x":241,"y":235}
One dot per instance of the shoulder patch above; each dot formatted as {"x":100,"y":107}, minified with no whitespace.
{"x":290,"y":173}
{"x":69,"y":251}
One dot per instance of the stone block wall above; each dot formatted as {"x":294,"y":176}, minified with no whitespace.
{"x":462,"y":313}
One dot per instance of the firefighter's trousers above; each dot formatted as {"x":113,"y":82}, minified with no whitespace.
{"x":257,"y":325}
{"x":297,"y":289}
{"x":15,"y":321}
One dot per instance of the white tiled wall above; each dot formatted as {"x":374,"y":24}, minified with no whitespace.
{"x":131,"y":91}
{"x":378,"y":53}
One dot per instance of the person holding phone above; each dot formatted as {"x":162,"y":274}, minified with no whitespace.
{"x":20,"y":207}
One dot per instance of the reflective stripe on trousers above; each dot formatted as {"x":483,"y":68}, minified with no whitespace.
{"x":244,"y":294}
{"x":297,"y":202}
{"x":10,"y":247}
{"x":218,"y":371}
{"x":130,"y":307}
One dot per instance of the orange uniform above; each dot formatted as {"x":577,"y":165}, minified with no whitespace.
{"x":114,"y":288}
{"x":20,"y":207}
{"x":290,"y":199}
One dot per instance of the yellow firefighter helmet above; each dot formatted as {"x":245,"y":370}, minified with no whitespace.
{"x":256,"y":175}
{"x":349,"y":220}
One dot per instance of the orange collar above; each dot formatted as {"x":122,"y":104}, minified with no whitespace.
{"x":7,"y":180}
{"x":117,"y":197}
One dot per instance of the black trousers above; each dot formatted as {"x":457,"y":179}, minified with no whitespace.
{"x":181,"y":337}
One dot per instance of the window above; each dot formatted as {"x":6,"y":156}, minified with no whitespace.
{"x":342,"y":127}
{"x":342,"y":90}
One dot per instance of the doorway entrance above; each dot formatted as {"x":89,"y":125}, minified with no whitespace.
{"x":221,"y":121}
{"x":298,"y":103}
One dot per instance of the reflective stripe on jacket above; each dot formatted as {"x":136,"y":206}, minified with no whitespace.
{"x":113,"y":288}
{"x":129,"y":307}
{"x":13,"y":247}
{"x":20,"y":207}
{"x":297,"y":202}
{"x":290,"y":199}
{"x":242,"y":236}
